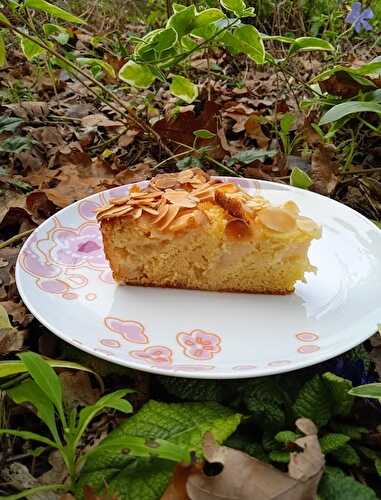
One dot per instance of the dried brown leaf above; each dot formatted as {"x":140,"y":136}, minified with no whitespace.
{"x":11,"y":340}
{"x":99,"y":120}
{"x":254,"y":131}
{"x":323,"y":170}
{"x":246,"y":478}
{"x":29,"y":109}
{"x":77,"y":389}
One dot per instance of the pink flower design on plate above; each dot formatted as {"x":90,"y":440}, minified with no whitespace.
{"x":132,"y":331}
{"x":87,"y":209}
{"x":76,"y":247}
{"x":199,"y":344}
{"x":34,"y":263}
{"x":156,"y":355}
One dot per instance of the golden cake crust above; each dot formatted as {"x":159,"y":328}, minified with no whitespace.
{"x":186,"y":230}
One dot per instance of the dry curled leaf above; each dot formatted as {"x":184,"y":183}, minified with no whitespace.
{"x":246,"y":478}
{"x":323,"y":170}
{"x":29,"y":109}
{"x":77,"y":389}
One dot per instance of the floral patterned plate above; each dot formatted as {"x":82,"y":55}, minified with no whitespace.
{"x":65,"y":281}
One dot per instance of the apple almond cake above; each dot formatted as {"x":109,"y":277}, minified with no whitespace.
{"x":187,"y":230}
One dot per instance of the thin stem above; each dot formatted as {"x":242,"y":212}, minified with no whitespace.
{"x":363,"y":171}
{"x":36,"y":489}
{"x":168,"y":159}
{"x":130,"y":115}
{"x":16,"y":238}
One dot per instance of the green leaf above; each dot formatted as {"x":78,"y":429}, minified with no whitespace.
{"x":247,"y":40}
{"x":3,"y":52}
{"x":313,"y":402}
{"x":4,"y":20}
{"x":332,"y":441}
{"x":208,"y":16}
{"x":341,"y":400}
{"x":177,"y":7}
{"x":265,"y":401}
{"x":8,"y":368}
{"x":9,"y":123}
{"x":238,"y":7}
{"x":4,"y":319}
{"x":16,"y":144}
{"x":347,"y":455}
{"x":183,"y":88}
{"x":143,"y":447}
{"x":336,"y":486}
{"x":281,"y":456}
{"x":287,"y":122}
{"x":137,"y":75}
{"x":191,"y":389}
{"x":286,"y":437}
{"x":367,"y":391}
{"x":300,"y":179}
{"x":377,"y":464}
{"x":113,"y":400}
{"x":53,"y":10}
{"x":30,"y":436}
{"x":353,"y":431}
{"x":182,"y":424}
{"x":309,"y":43}
{"x":183,"y":21}
{"x":44,"y":376}
{"x":29,"y":392}
{"x":250,"y":155}
{"x":189,"y":162}
{"x":58,"y":33}
{"x":163,"y":40}
{"x":30,"y":49}
{"x":204,"y":134}
{"x":348,"y":108}
{"x":92,"y":61}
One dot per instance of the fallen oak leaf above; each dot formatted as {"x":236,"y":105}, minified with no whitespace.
{"x":254,"y":131}
{"x":323,"y":170}
{"x":29,"y":109}
{"x":245,"y":478}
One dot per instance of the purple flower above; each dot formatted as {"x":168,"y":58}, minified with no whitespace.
{"x":359,"y":19}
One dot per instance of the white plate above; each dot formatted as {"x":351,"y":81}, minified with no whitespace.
{"x":66,"y":283}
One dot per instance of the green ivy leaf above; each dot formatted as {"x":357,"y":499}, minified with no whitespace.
{"x":204,"y":134}
{"x":92,"y":61}
{"x":53,"y":10}
{"x":183,"y":88}
{"x":208,"y":16}
{"x":58,"y":33}
{"x":30,"y":49}
{"x":367,"y":391}
{"x":181,"y":424}
{"x":3,"y":51}
{"x":137,"y":75}
{"x":300,"y":179}
{"x":332,"y":441}
{"x":238,"y":7}
{"x":337,"y":486}
{"x":348,"y":108}
{"x":247,"y":40}
{"x":309,"y":43}
{"x":248,"y":156}
{"x":183,"y":21}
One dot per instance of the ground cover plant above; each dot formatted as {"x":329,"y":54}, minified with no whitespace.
{"x":94,"y":95}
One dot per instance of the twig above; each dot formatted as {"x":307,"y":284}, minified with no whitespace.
{"x":16,"y":238}
{"x":362,"y":171}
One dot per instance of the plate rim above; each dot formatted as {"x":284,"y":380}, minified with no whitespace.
{"x":230,"y":375}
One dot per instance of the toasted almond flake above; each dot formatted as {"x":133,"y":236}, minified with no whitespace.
{"x":150,"y":210}
{"x":163,"y":210}
{"x":200,"y":217}
{"x":238,"y":229}
{"x":171,"y":214}
{"x":181,"y":198}
{"x":291,"y":207}
{"x":137,"y":213}
{"x":277,"y":219}
{"x":181,"y":222}
{"x":307,"y":225}
{"x":119,"y":201}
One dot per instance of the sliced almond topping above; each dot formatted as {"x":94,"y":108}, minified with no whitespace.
{"x":291,"y":207}
{"x":137,"y":213}
{"x":200,"y":217}
{"x":120,"y":201}
{"x":238,"y":229}
{"x":165,"y":181}
{"x":307,"y":225}
{"x":256,"y":203}
{"x":162,"y":213}
{"x":181,"y":198}
{"x":277,"y":219}
{"x":172,"y":212}
{"x":150,"y":210}
{"x":181,"y":222}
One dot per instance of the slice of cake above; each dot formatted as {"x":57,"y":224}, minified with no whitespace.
{"x":186,"y":230}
